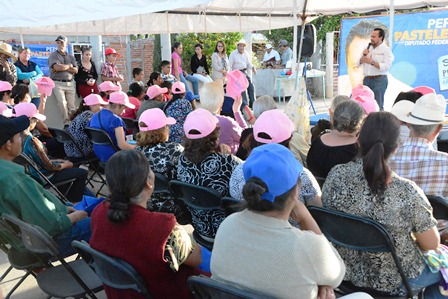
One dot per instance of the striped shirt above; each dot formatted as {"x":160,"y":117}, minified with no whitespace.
{"x":417,"y":160}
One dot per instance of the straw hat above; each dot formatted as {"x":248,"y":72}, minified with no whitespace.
{"x":427,"y":110}
{"x":7,"y":50}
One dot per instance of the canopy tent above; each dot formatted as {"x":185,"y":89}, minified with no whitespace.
{"x":123,"y":17}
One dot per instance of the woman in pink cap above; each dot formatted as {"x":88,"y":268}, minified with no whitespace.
{"x":106,"y":88}
{"x":163,"y":156}
{"x":109,"y":120}
{"x":178,"y":108}
{"x":56,"y":170}
{"x":79,"y":121}
{"x":203,"y":164}
{"x":5,"y":93}
{"x":153,"y":99}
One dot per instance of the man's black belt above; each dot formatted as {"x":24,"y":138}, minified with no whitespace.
{"x":374,"y":77}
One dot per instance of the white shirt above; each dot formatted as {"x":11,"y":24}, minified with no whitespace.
{"x":381,"y":54}
{"x":268,"y":56}
{"x":240,"y":61}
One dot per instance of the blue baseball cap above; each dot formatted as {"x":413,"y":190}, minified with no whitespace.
{"x":189,"y":96}
{"x":276,"y":166}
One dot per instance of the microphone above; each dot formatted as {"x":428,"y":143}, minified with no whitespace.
{"x":368,"y":47}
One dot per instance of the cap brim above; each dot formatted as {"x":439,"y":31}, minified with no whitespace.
{"x":7,"y":113}
{"x":40,"y":117}
{"x":129,"y":105}
{"x":9,"y":55}
{"x":170,"y":121}
{"x":415,"y":121}
{"x":163,"y":90}
{"x":21,"y":123}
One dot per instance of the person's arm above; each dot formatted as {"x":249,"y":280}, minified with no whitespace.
{"x":176,"y":68}
{"x":388,"y":58}
{"x":106,"y":72}
{"x":44,"y":161}
{"x":180,"y":249}
{"x":11,"y":72}
{"x":24,"y":76}
{"x":39,"y":73}
{"x":428,"y":240}
{"x":216,"y":67}
{"x":423,"y":222}
{"x":93,"y":71}
{"x":61,"y":67}
{"x":231,"y":61}
{"x":193,"y":64}
{"x":121,"y":139}
{"x":301,"y":214}
{"x":43,"y":129}
{"x":250,"y":66}
{"x":206,"y":65}
{"x":74,"y":66}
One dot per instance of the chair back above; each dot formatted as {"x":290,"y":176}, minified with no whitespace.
{"x":230,"y":204}
{"x":161,"y":184}
{"x":65,"y":137}
{"x":439,"y":206}
{"x":112,"y":271}
{"x":27,"y":163}
{"x":357,"y":233}
{"x":205,"y":287}
{"x":196,"y":197}
{"x":131,"y":124}
{"x":100,"y":137}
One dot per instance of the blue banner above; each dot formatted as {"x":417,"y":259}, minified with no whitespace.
{"x":420,"y":47}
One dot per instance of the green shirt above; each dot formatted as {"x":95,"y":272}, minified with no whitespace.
{"x":26,"y":199}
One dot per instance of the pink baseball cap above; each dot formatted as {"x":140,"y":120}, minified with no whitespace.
{"x":4,"y":110}
{"x":109,"y":86}
{"x":366,"y":98}
{"x":45,"y":85}
{"x":29,"y":110}
{"x":274,"y":123}
{"x":178,"y":87}
{"x":155,"y":90}
{"x":94,"y":99}
{"x":119,"y":97}
{"x":423,"y":90}
{"x":200,"y":120}
{"x":5,"y":85}
{"x":154,"y":119}
{"x":236,"y":83}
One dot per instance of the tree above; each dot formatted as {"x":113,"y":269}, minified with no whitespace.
{"x":208,"y":41}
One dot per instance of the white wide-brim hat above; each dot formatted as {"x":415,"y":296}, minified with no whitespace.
{"x":427,"y":110}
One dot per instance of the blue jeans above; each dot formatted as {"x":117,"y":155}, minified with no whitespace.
{"x":378,"y":85}
{"x":251,"y":92}
{"x":193,"y":80}
{"x":79,"y":231}
{"x":430,"y":281}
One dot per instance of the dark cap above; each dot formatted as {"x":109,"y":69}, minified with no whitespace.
{"x":283,"y":42}
{"x":11,"y":126}
{"x":61,"y":37}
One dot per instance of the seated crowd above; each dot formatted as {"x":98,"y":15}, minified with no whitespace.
{"x":372,"y":165}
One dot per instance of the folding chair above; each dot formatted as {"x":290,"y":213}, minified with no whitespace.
{"x":65,"y":137}
{"x":204,"y":287}
{"x":360,"y":234}
{"x":26,"y":162}
{"x":320,"y":180}
{"x":100,"y":137}
{"x":131,"y":125}
{"x":161,"y":184}
{"x":19,"y":258}
{"x":60,"y":281}
{"x":198,"y":198}
{"x":113,"y":272}
{"x":439,"y":206}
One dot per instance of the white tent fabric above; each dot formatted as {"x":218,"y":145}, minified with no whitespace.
{"x":123,"y":17}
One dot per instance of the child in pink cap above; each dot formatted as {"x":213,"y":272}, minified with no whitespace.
{"x":135,"y":94}
{"x":366,"y":98}
{"x":109,"y":120}
{"x":57,"y":171}
{"x":5,"y":93}
{"x":106,"y":88}
{"x":90,"y":105}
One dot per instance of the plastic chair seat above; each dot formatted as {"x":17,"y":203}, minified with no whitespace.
{"x":24,"y":260}
{"x":58,"y":282}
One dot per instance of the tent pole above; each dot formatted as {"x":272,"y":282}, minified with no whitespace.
{"x":302,"y":27}
{"x":391,"y":29}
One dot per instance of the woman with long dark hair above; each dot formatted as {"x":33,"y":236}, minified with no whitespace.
{"x":153,"y":243}
{"x":181,"y":75}
{"x":87,"y":74}
{"x":368,"y":188}
{"x":199,"y":66}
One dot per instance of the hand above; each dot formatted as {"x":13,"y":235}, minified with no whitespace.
{"x":90,"y":83}
{"x":66,"y":164}
{"x":224,"y":149}
{"x":43,"y":98}
{"x":4,"y":63}
{"x":76,"y":216}
{"x":120,"y":78}
{"x":26,"y":81}
{"x":255,"y":71}
{"x":70,"y":209}
{"x":224,"y":72}
{"x":363,"y":59}
{"x":326,"y":292}
{"x":185,"y":74}
{"x":365,"y":52}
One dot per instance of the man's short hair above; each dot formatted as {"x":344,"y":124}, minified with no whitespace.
{"x":136,"y":71}
{"x":423,"y":131}
{"x":380,"y":31}
{"x":363,"y":30}
{"x":165,"y":63}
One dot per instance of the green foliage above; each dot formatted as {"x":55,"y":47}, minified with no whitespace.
{"x":208,"y":41}
{"x":157,"y":55}
{"x":276,"y":35}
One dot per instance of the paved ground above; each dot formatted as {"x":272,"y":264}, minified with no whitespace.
{"x":30,"y":290}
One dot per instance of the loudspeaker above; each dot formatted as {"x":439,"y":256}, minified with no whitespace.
{"x":309,"y":40}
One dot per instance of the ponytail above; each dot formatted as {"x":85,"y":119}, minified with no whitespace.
{"x":119,"y":208}
{"x":376,"y":170}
